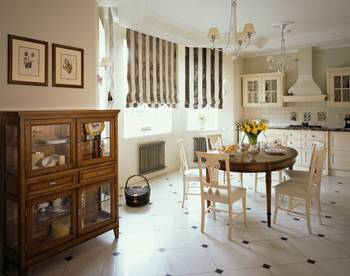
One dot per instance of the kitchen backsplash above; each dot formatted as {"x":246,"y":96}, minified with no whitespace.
{"x":318,"y":113}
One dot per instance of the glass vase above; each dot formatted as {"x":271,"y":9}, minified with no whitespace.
{"x":253,"y":143}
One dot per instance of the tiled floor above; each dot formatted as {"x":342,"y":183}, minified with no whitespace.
{"x":164,"y":239}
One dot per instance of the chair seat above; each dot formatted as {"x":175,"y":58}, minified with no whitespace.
{"x":295,"y":174}
{"x":192,"y":174}
{"x":296,"y":187}
{"x":221,"y":195}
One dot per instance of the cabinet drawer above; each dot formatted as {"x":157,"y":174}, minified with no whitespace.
{"x":294,"y":143}
{"x":307,"y":144}
{"x":340,"y":141}
{"x":293,"y":134}
{"x":313,"y":135}
{"x":35,"y":186}
{"x":340,"y":160}
{"x":93,"y":174}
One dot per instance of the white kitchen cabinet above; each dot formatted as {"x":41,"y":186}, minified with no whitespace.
{"x":338,"y":87}
{"x":339,"y":154}
{"x":302,"y":141}
{"x":263,"y":90}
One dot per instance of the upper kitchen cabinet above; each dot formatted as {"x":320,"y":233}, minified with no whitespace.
{"x":263,"y":90}
{"x":338,"y":87}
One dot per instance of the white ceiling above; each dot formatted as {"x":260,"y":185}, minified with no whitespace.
{"x":321,"y":23}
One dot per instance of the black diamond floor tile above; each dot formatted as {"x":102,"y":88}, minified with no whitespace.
{"x":267,"y":266}
{"x":284,"y":238}
{"x":204,"y":245}
{"x":116,"y":254}
{"x":245,"y":242}
{"x":219,"y":271}
{"x":321,"y":235}
{"x":311,"y":261}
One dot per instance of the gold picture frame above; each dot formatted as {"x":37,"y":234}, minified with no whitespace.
{"x":67,"y":66}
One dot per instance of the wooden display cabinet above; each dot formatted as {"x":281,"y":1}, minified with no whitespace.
{"x":59,"y":181}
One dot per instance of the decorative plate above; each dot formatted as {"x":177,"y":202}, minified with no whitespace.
{"x":94,"y":128}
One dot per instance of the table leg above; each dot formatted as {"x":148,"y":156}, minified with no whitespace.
{"x":268,"y":198}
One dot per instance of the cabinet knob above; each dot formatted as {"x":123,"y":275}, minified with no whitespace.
{"x":52,"y":183}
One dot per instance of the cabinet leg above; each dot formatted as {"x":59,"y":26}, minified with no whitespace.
{"x":116,"y":233}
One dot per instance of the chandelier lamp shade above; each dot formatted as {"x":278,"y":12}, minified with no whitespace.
{"x":282,"y":63}
{"x":235,"y":41}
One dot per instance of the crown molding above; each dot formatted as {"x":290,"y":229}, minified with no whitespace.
{"x":165,"y":28}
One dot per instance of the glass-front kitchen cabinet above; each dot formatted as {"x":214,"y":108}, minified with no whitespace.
{"x":59,"y":184}
{"x":263,"y":90}
{"x":338,"y":87}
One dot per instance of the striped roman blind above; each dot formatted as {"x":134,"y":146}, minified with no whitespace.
{"x":152,"y":71}
{"x":203,"y":83}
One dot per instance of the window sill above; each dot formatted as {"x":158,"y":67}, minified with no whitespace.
{"x":146,"y":134}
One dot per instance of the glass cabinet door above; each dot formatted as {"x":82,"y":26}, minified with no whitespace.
{"x":270,"y":91}
{"x":341,"y":88}
{"x":51,"y":221}
{"x":50,"y":146}
{"x":12,"y":224}
{"x":97,"y":141}
{"x":253,"y":91}
{"x":96,"y":205}
{"x":11,"y":149}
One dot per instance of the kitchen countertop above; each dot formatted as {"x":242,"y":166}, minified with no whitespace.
{"x":311,"y":128}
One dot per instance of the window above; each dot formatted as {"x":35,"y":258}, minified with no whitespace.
{"x":202,"y":119}
{"x":145,"y":121}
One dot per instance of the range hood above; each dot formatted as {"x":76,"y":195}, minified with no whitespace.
{"x":305,"y":89}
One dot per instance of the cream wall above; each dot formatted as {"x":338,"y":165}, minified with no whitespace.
{"x":67,"y":22}
{"x":322,"y":59}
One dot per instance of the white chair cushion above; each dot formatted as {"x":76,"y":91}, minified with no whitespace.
{"x":221,"y":195}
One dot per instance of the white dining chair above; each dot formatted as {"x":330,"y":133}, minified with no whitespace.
{"x":304,"y":187}
{"x":215,"y":191}
{"x":189,"y":175}
{"x":215,"y":142}
{"x":283,"y":141}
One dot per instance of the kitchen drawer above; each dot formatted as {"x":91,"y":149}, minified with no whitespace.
{"x":314,"y":135}
{"x":340,"y":160}
{"x":293,"y":134}
{"x":43,"y":184}
{"x":307,"y":144}
{"x":294,"y":143}
{"x":340,"y":141}
{"x":95,"y":174}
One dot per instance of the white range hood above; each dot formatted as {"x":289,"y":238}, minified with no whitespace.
{"x":305,"y":89}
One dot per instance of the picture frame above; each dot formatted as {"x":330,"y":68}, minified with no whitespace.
{"x":67,"y":66}
{"x":27,"y":61}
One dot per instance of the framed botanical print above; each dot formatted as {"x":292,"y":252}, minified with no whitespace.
{"x":27,"y":61}
{"x":67,"y":66}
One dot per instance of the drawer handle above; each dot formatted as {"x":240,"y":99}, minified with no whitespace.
{"x":52,"y":183}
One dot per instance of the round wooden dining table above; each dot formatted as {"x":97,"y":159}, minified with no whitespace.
{"x":262,"y":162}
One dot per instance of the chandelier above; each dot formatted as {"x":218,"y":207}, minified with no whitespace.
{"x":235,"y":41}
{"x":282,"y":63}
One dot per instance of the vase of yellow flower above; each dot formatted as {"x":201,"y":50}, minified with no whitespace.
{"x":252,"y":129}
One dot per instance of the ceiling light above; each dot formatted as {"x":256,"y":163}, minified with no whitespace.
{"x":235,"y":41}
{"x":282,"y":63}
